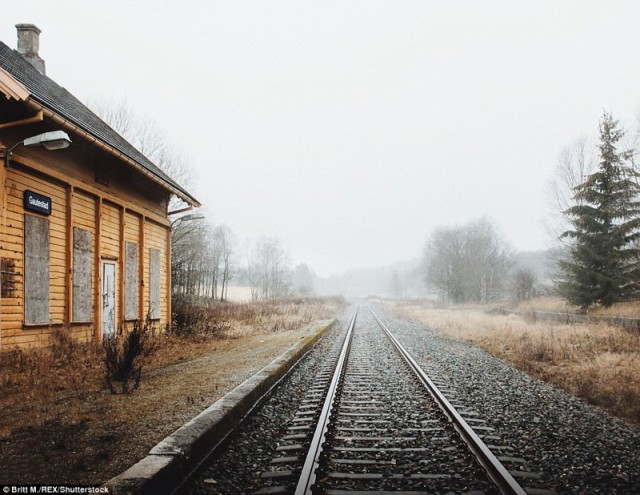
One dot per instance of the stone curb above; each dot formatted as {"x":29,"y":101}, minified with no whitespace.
{"x":168,"y":463}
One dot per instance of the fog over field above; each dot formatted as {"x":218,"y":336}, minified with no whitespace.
{"x":351,"y":130}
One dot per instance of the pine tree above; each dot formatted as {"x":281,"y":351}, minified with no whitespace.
{"x":603,"y":260}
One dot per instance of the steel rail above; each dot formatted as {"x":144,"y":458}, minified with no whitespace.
{"x":312,"y":460}
{"x":498,"y":474}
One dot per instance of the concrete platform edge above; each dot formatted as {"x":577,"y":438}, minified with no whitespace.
{"x":177,"y":455}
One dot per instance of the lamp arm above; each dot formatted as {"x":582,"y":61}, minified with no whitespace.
{"x":8,"y":152}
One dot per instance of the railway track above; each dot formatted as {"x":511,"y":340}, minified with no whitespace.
{"x":373,"y":422}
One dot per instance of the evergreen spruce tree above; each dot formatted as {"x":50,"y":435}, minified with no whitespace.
{"x":603,"y":260}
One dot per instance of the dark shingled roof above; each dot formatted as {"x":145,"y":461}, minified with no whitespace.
{"x":57,"y":99}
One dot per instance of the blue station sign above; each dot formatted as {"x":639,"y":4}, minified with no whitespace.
{"x":37,"y":202}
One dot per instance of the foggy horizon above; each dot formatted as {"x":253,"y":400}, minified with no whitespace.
{"x":351,"y":131}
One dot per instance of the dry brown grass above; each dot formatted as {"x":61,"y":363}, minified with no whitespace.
{"x":59,"y":423}
{"x":596,"y":362}
{"x":551,"y":304}
{"x":556,"y":304}
{"x":224,"y":320}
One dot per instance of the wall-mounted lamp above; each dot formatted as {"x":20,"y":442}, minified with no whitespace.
{"x":54,"y":140}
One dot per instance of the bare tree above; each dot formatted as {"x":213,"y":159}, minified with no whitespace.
{"x":225,"y":243}
{"x":269,"y":269}
{"x":523,"y":284}
{"x":395,"y":285}
{"x":188,"y":234}
{"x":202,"y":258}
{"x":469,"y":263}
{"x":575,"y":162}
{"x":487,"y":261}
{"x":253,"y":276}
{"x":303,"y":280}
{"x":445,"y":263}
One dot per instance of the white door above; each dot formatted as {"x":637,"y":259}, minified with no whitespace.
{"x":108,"y":299}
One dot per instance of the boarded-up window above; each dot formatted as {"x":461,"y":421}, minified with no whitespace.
{"x":131,"y":281}
{"x":36,"y":269}
{"x":154,"y":284}
{"x":82,"y":274}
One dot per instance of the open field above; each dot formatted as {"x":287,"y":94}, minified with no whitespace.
{"x":596,"y":362}
{"x":60,"y":424}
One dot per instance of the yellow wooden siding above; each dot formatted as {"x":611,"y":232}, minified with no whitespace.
{"x":131,"y":227}
{"x":84,"y":212}
{"x":84,"y":209}
{"x":82,"y":333}
{"x":110,"y":231}
{"x":13,"y":248}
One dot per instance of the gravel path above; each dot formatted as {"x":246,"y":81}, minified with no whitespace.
{"x":566,"y":445}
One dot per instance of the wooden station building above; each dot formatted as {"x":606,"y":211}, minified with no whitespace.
{"x":85,"y":244}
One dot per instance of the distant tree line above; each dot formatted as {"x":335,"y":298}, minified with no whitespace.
{"x":204,"y":256}
{"x":204,"y":259}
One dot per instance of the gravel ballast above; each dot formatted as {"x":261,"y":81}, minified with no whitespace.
{"x":575,"y":447}
{"x":564,"y":444}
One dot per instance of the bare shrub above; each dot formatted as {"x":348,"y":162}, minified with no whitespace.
{"x":124,"y":355}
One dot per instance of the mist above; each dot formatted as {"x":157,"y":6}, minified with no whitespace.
{"x":348,"y":130}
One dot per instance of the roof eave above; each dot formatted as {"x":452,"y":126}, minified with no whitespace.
{"x":12,"y":88}
{"x":72,"y":126}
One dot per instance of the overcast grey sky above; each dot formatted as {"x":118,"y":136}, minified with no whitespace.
{"x":350,"y":129}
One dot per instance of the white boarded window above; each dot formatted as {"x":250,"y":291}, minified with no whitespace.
{"x":36,"y":269}
{"x":82,"y":274}
{"x":131,"y":281}
{"x":154,"y":284}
